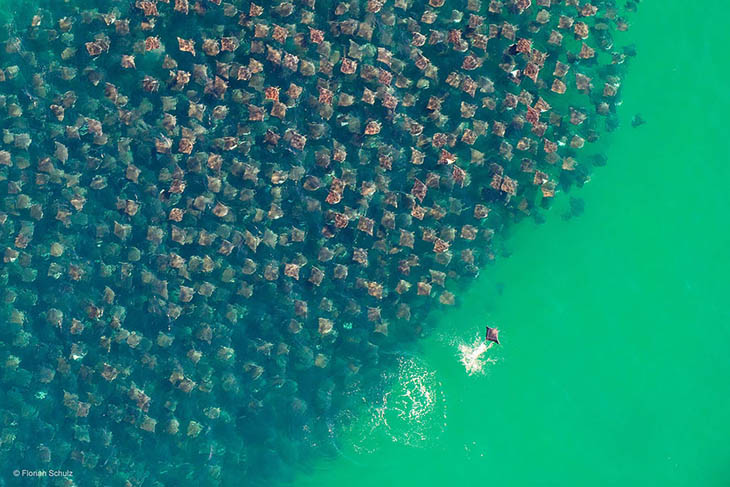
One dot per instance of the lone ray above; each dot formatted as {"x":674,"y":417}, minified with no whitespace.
{"x":492,"y":335}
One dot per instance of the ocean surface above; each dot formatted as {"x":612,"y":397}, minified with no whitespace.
{"x":614,"y":324}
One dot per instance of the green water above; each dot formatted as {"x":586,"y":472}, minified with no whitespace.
{"x":615,"y":325}
{"x":612,"y":368}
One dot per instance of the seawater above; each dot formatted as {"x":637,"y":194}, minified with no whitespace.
{"x":613,"y":368}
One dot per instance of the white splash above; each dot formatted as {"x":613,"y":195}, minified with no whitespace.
{"x":473,"y":356}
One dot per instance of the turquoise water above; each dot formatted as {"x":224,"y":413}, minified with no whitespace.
{"x":614,"y":327}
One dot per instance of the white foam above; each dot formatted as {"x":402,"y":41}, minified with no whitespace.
{"x":412,"y":411}
{"x":411,"y":405}
{"x":473,"y":356}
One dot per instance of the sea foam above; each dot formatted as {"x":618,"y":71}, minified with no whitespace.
{"x":473,"y":356}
